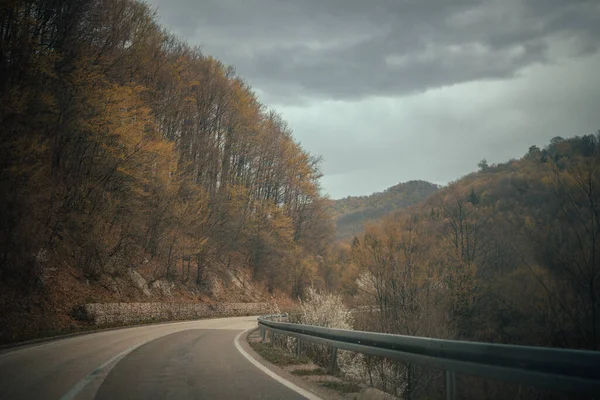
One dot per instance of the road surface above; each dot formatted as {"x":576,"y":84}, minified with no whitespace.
{"x":182,"y":360}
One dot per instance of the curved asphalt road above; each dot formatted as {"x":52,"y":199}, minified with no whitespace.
{"x":182,"y":360}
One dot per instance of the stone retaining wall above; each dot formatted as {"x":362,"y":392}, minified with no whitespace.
{"x":125,"y":313}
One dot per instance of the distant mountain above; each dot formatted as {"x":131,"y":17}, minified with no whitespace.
{"x":352,"y":212}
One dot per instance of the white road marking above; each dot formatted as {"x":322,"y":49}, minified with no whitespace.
{"x":99,"y":372}
{"x":270,"y":373}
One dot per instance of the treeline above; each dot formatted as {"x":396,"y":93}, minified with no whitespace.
{"x":509,"y":254}
{"x":122,"y":144}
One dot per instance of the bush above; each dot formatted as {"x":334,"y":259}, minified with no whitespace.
{"x":325,"y":309}
{"x":328,"y":310}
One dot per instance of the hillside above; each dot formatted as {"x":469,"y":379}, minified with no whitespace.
{"x":352,"y":212}
{"x":125,"y":152}
{"x":508,"y":254}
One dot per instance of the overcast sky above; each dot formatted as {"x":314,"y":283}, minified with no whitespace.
{"x":394,"y":90}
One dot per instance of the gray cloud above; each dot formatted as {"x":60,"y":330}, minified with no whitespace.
{"x":442,"y":134}
{"x":350,"y":49}
{"x":393,"y":90}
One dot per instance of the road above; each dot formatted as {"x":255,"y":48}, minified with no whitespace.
{"x":182,"y":360}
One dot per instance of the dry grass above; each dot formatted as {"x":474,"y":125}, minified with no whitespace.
{"x":276,"y":355}
{"x":307,"y":371}
{"x":343,"y":387}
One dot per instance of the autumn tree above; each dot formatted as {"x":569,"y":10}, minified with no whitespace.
{"x":123,"y":145}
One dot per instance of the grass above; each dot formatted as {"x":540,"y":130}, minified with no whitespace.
{"x":276,"y":355}
{"x":344,"y":387}
{"x":306,"y":372}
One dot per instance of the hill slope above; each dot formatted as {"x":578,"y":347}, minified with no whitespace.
{"x":352,"y":212}
{"x":508,"y":254}
{"x":127,"y":151}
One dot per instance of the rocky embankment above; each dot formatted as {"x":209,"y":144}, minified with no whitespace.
{"x":127,"y":313}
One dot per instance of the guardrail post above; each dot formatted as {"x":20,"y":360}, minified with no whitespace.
{"x":333,"y":360}
{"x":450,"y":385}
{"x":298,"y":347}
{"x":263,"y":334}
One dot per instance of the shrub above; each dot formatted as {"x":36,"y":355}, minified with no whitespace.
{"x":328,"y":310}
{"x":325,"y":309}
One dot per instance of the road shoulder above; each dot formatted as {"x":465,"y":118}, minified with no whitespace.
{"x":312,"y":387}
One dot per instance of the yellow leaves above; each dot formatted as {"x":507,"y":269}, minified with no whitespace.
{"x":122,"y":124}
{"x":278,"y":223}
{"x":529,"y":222}
{"x":190,"y":99}
{"x":237,"y":193}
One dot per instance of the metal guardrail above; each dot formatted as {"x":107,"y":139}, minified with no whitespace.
{"x":563,"y":369}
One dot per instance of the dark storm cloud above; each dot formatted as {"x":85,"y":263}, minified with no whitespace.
{"x":393,"y":90}
{"x":349,"y":49}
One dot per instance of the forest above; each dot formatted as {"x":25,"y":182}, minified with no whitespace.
{"x":507,"y":254}
{"x":124,"y":146}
